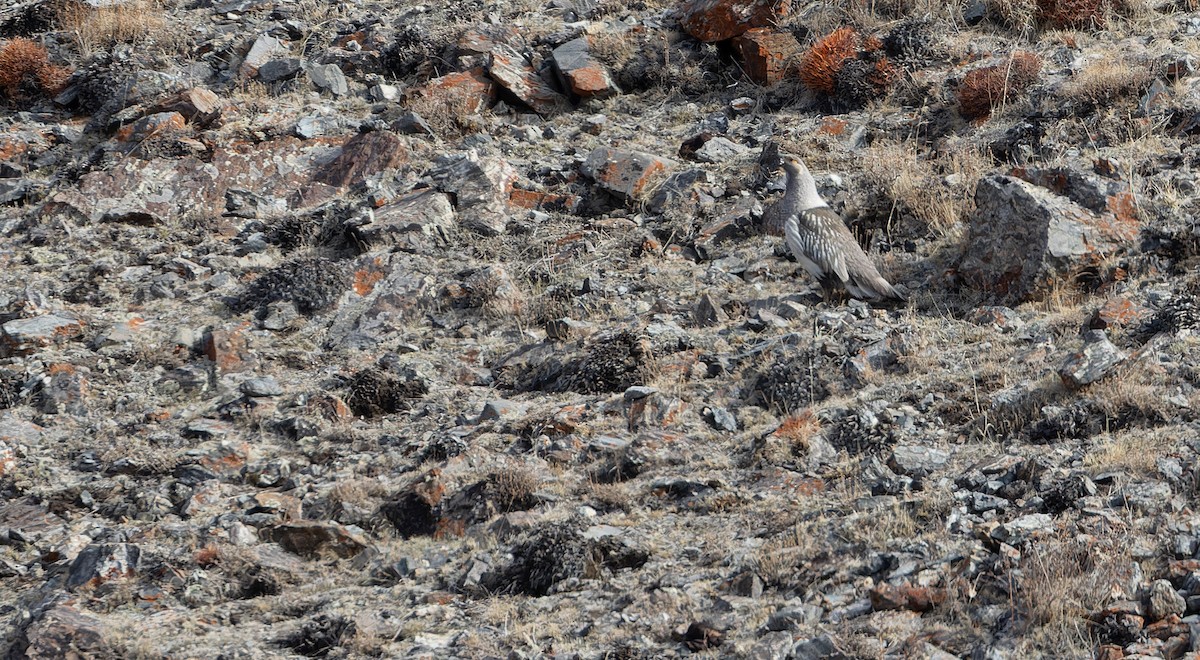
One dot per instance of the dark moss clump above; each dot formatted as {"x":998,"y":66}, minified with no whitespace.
{"x":313,"y":284}
{"x":613,"y":364}
{"x":378,"y":391}
{"x":793,"y":382}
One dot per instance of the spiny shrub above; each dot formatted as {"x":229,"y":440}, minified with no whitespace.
{"x":1074,"y":14}
{"x":983,"y":89}
{"x":847,"y":67}
{"x":25,"y":67}
{"x":820,"y":65}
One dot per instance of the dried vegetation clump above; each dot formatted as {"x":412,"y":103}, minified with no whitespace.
{"x":847,"y":67}
{"x":25,"y":70}
{"x":1107,"y":80}
{"x":96,"y":28}
{"x":982,"y":90}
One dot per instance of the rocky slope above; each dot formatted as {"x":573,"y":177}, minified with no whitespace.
{"x":397,"y":330}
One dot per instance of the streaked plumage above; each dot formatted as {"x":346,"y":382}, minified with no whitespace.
{"x":820,"y":240}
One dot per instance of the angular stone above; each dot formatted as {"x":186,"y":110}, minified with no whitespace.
{"x":150,"y":126}
{"x":718,"y":20}
{"x":363,"y":155}
{"x":261,"y":387}
{"x":917,"y":460}
{"x":1162,"y":601}
{"x":228,"y":348}
{"x":64,"y":632}
{"x":427,"y":212}
{"x":1093,"y":362}
{"x":542,"y":201}
{"x":766,"y":53}
{"x":682,"y":190}
{"x":1023,"y":527}
{"x":103,"y":562}
{"x":585,"y":76}
{"x":265,"y":48}
{"x":511,"y":71}
{"x":481,"y":186}
{"x":197,"y":105}
{"x":401,"y":291}
{"x":308,"y":538}
{"x":720,"y":150}
{"x":1003,"y":319}
{"x":1023,"y":237}
{"x":329,"y":78}
{"x":500,"y":409}
{"x":627,"y":174}
{"x":459,"y":94}
{"x":280,"y":69}
{"x":26,"y":335}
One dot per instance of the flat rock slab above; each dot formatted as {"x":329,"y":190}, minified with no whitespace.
{"x":481,"y":185}
{"x":462,"y":93}
{"x":583,"y":74}
{"x":363,"y":155}
{"x":511,"y":71}
{"x":26,"y":335}
{"x":426,"y":212}
{"x":1094,"y":361}
{"x":627,"y":174}
{"x":103,"y":562}
{"x":718,"y":20}
{"x":1023,"y":237}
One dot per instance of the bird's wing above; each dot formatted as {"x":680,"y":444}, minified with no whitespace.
{"x":821,"y":236}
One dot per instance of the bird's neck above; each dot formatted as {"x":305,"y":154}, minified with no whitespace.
{"x":802,"y":192}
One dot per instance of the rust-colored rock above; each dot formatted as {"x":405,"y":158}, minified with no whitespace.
{"x":365,"y":154}
{"x":624,"y":173}
{"x":585,"y":76}
{"x":151,"y":125}
{"x":511,"y":71}
{"x":766,"y":54}
{"x":463,"y":93}
{"x":718,"y":20}
{"x":65,"y":632}
{"x":905,"y":597}
{"x":196,"y":105}
{"x":542,"y":201}
{"x":228,"y":348}
{"x":26,"y":335}
{"x":1118,"y":312}
{"x":309,"y":538}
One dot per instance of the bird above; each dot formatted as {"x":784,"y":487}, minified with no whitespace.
{"x":821,"y":242}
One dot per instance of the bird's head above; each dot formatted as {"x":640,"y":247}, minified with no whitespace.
{"x":794,"y":166}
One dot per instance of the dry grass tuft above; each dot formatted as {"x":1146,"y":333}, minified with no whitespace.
{"x":23,"y":64}
{"x":1105,"y":81}
{"x":99,"y":28}
{"x":938,"y":192}
{"x":800,"y":428}
{"x":985,"y":88}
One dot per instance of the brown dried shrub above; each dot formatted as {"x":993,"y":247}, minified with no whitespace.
{"x":22,"y":62}
{"x":985,"y":88}
{"x":1073,"y":14}
{"x":820,"y":65}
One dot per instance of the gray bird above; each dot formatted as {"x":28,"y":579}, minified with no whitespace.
{"x":820,"y":240}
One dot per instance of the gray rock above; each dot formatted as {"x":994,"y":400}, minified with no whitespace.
{"x":982,"y":502}
{"x":265,"y":48}
{"x":1163,"y":601}
{"x":720,"y":418}
{"x":720,"y":150}
{"x":638,"y":392}
{"x":13,"y":190}
{"x":103,"y":562}
{"x":280,"y":69}
{"x":384,"y":92}
{"x":410,"y":123}
{"x":314,"y":126}
{"x":794,"y":618}
{"x":772,"y":646}
{"x":917,"y":460}
{"x":747,"y":584}
{"x":263,"y":386}
{"x":581,"y":73}
{"x":427,"y":213}
{"x":480,"y":185}
{"x":329,"y":77}
{"x":1023,"y":235}
{"x":1094,"y":361}
{"x":688,"y":188}
{"x":817,"y":648}
{"x":1023,"y":527}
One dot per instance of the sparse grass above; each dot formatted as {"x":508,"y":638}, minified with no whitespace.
{"x":1059,"y":582}
{"x":1106,"y":80}
{"x":1133,"y":450}
{"x":95,"y":29}
{"x":939,"y":193}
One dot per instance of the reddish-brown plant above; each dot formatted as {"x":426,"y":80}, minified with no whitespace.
{"x":985,"y":88}
{"x":1074,"y":14}
{"x":820,"y":65}
{"x":22,"y":61}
